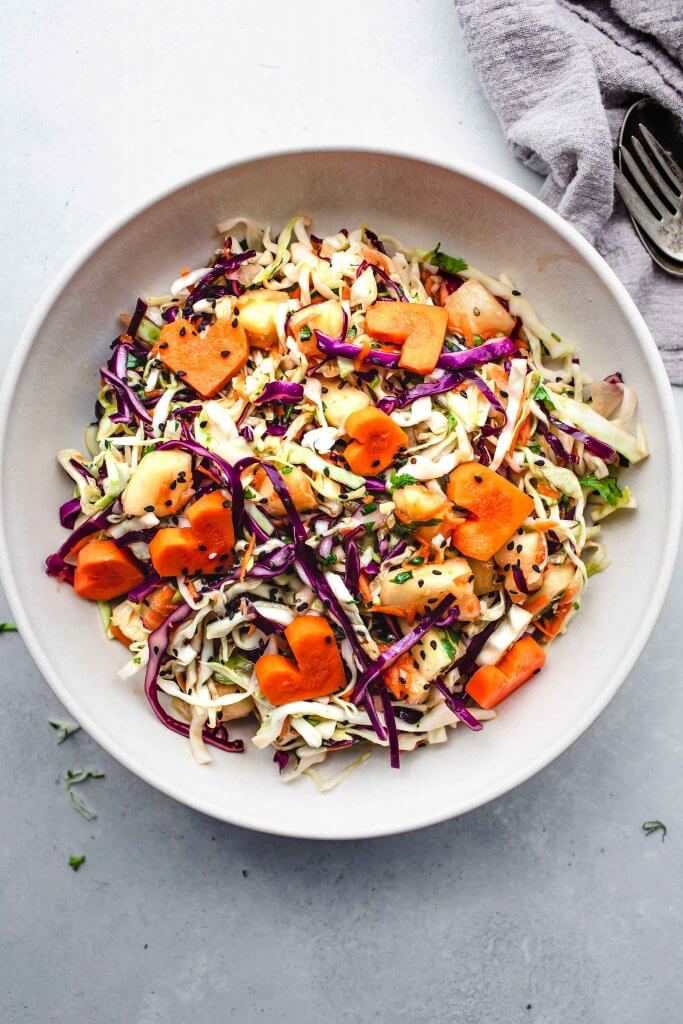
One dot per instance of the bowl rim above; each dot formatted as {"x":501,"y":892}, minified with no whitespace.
{"x":576,"y":727}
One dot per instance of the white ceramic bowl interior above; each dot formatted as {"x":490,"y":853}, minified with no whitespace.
{"x":49,"y":397}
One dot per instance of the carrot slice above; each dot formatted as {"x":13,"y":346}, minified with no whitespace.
{"x":376,"y":441}
{"x":491,"y":684}
{"x":496,"y":506}
{"x":104,"y":571}
{"x":316,"y":671}
{"x":202,"y":547}
{"x":158,"y":606}
{"x":420,"y":330}
{"x":205,"y":362}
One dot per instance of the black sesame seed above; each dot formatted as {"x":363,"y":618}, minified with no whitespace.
{"x":203,"y":423}
{"x":180,"y":374}
{"x":156,"y":649}
{"x":376,"y":462}
{"x":479,"y":479}
{"x":234,"y":323}
{"x":476,"y":310}
{"x":520,"y":548}
{"x":173,"y":485}
{"x":202,"y":547}
{"x":226,"y":504}
{"x":420,"y":583}
{"x":164,"y":344}
{"x":426,"y":686}
{"x":149,"y":508}
{"x":538,"y":462}
{"x":535,"y":568}
{"x":432,"y":644}
{"x":182,"y":332}
{"x":423,"y":655}
{"x":437,"y":572}
{"x":328,"y":639}
{"x":225,"y":353}
{"x":185,"y":571}
{"x":515,"y":292}
{"x":168,"y":502}
{"x":511,"y":546}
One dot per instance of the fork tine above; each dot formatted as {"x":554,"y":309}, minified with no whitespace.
{"x":636,"y":207}
{"x":656,"y":176}
{"x":643,"y":183}
{"x":663,"y":158}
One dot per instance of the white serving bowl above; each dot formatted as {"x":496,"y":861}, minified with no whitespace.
{"x":49,"y":394}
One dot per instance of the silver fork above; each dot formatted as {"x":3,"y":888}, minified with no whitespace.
{"x":654,"y":193}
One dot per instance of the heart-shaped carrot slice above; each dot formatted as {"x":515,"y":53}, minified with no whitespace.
{"x":497,"y":508}
{"x":203,"y":547}
{"x":317,"y":670}
{"x":205,"y":362}
{"x":376,"y":440}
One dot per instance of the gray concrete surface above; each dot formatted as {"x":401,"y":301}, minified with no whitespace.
{"x":549,"y":905}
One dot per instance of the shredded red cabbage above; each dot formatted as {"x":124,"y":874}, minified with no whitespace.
{"x":387,"y":658}
{"x":144,"y":588}
{"x":281,"y":759}
{"x":556,"y":445}
{"x":599,"y":448}
{"x":220,"y":269}
{"x":157,"y":643}
{"x":136,"y":319}
{"x":486,"y":353}
{"x":56,"y":564}
{"x":69,"y":513}
{"x":456,"y":705}
{"x":392,"y":731}
{"x":520,"y":582}
{"x":230,"y":474}
{"x":286,"y":392}
{"x":352,"y":571}
{"x":125,"y":392}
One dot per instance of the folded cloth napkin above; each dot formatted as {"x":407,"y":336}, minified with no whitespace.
{"x":561,"y":74}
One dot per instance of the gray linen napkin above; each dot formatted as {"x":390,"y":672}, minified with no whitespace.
{"x":561,"y":74}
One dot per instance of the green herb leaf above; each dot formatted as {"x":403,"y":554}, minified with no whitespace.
{"x":607,"y":487}
{"x":327,"y":559}
{"x":65,"y":729}
{"x":286,"y":470}
{"x":75,"y":779}
{"x":540,"y":394}
{"x":449,"y":642}
{"x":370,"y":507}
{"x":76,"y":861}
{"x":451,"y":264}
{"x":416,"y":560}
{"x":406,"y":529}
{"x":305,"y":333}
{"x":8,"y":627}
{"x":650,"y":827}
{"x":400,"y":480}
{"x":535,"y":448}
{"x":556,"y":336}
{"x":452,"y":422}
{"x":477,"y":340}
{"x":403,"y":577}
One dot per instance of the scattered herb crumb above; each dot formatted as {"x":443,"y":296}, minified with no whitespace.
{"x":245,"y":873}
{"x":76,"y":861}
{"x":65,"y":729}
{"x":74,"y":779}
{"x":8,"y":627}
{"x":650,"y":827}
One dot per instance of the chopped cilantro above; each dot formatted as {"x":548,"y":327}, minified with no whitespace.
{"x":66,"y":729}
{"x":416,"y":560}
{"x":477,"y":340}
{"x":74,"y":779}
{"x":406,"y":529}
{"x":403,"y":577}
{"x":286,"y":470}
{"x":7,"y":627}
{"x":305,"y":333}
{"x":451,"y":264}
{"x":540,"y":394}
{"x":76,"y":861}
{"x":400,"y":480}
{"x":607,"y":488}
{"x":650,"y":827}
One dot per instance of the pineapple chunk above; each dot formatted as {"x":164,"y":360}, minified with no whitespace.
{"x":161,"y":483}
{"x":430,"y":654}
{"x":423,"y":587}
{"x":258,"y":316}
{"x":340,"y":400}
